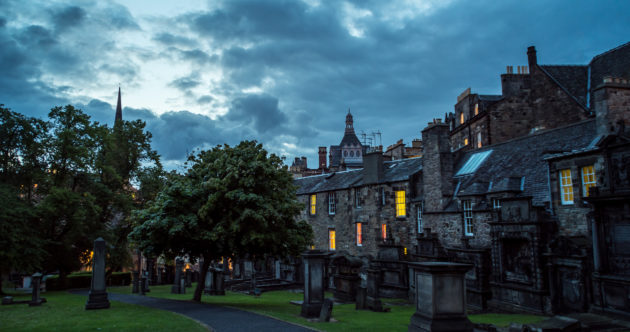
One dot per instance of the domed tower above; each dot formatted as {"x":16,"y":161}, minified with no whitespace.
{"x":351,"y":148}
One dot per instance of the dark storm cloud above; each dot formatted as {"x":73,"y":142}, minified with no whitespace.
{"x":173,"y":40}
{"x":205,"y":99}
{"x":259,"y":110}
{"x":3,"y":22}
{"x":185,"y":83}
{"x":68,"y":17}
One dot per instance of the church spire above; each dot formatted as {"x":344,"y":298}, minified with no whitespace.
{"x":349,"y":123}
{"x":118,"y":108}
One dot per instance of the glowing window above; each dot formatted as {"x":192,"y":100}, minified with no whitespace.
{"x":466,"y":141}
{"x":332,"y":205}
{"x":461,"y":118}
{"x":359,"y":235}
{"x":313,"y":204}
{"x":588,"y":179}
{"x":478,"y":140}
{"x":331,"y":239}
{"x":566,"y":187}
{"x":468,"y":218}
{"x":476,"y":109}
{"x":384,"y":231}
{"x":401,"y":209}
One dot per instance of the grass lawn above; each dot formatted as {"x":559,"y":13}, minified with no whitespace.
{"x":66,"y":312}
{"x":276,"y":304}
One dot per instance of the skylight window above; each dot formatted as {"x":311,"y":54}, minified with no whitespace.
{"x":473,"y":163}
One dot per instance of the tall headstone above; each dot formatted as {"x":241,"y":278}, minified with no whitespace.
{"x":188,"y":278}
{"x":135,"y":288}
{"x":314,"y":283}
{"x":97,"y":298}
{"x":177,"y":286}
{"x":440,"y":297}
{"x":36,"y":300}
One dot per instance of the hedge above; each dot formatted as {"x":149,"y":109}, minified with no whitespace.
{"x":84,"y":280}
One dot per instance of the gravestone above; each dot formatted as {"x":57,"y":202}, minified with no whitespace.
{"x":143,"y":282}
{"x":177,"y":286}
{"x":208,"y":283}
{"x":136,"y":282}
{"x":182,"y":285}
{"x":314,"y":283}
{"x":36,"y":300}
{"x":372,"y":300}
{"x":326,"y":312}
{"x":188,"y":278}
{"x":97,"y":298}
{"x":440,"y":297}
{"x":217,"y":282}
{"x":146,"y":281}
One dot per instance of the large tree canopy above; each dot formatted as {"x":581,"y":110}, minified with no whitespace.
{"x":65,"y":182}
{"x":232,"y":202}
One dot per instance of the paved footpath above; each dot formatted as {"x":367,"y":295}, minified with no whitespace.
{"x":216,"y":317}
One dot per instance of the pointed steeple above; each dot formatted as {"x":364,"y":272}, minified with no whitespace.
{"x":118,"y":108}
{"x":349,"y":123}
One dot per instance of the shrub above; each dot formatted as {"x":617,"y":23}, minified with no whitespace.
{"x":84,"y":280}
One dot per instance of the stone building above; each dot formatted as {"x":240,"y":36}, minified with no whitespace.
{"x":400,"y":151}
{"x":356,"y":210}
{"x":532,"y":187}
{"x":349,"y":153}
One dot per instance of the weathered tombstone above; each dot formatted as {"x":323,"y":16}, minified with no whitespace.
{"x":143,"y":282}
{"x":207,"y":289}
{"x":188,"y":278}
{"x":218,"y":288}
{"x":247,"y":269}
{"x":136,"y":282}
{"x":7,"y":300}
{"x":326,"y":312}
{"x":177,"y":289}
{"x":440,"y":297}
{"x":97,"y":298}
{"x":314,"y":265}
{"x":146,"y":281}
{"x":277,"y":269}
{"x":36,"y":300}
{"x":372,"y":300}
{"x":182,"y":285}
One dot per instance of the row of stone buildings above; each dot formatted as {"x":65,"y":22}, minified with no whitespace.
{"x":531,"y":186}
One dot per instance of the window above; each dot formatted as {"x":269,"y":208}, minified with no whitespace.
{"x":313,"y":204}
{"x":476,"y":109}
{"x":332,"y":205}
{"x":465,"y":141}
{"x":588,"y":179}
{"x":400,"y":204}
{"x":461,"y":118}
{"x":419,"y":216}
{"x":382,"y":196}
{"x":357,"y":198}
{"x":479,"y":144}
{"x":468,"y":219}
{"x":331,"y":239}
{"x":496,"y":203}
{"x":566,"y":187}
{"x":384,"y":231}
{"x":359,"y":234}
{"x":473,"y":163}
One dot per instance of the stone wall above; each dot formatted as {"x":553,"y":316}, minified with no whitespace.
{"x":612,"y":105}
{"x":437,"y":166}
{"x":372,"y":213}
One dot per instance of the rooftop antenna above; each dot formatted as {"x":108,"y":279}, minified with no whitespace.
{"x":377,"y":133}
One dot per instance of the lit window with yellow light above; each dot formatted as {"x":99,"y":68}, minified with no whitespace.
{"x":384,"y":231}
{"x":461,"y":118}
{"x":566,"y":187}
{"x":331,"y":239}
{"x":401,"y":208}
{"x":588,"y":179}
{"x":465,"y":141}
{"x":359,"y":235}
{"x":476,"y":109}
{"x":479,"y":140}
{"x":313,"y":204}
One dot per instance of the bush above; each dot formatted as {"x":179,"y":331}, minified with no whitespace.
{"x":84,"y":280}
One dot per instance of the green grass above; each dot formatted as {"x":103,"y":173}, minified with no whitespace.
{"x":66,"y":312}
{"x":276,"y":304}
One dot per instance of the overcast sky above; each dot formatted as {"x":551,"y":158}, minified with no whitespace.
{"x":202,"y":73}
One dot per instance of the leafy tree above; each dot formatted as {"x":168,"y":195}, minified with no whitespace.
{"x":232,"y":202}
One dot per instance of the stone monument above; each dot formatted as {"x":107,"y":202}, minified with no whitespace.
{"x":97,"y":298}
{"x":177,"y":288}
{"x":440,"y":297}
{"x":314,"y":261}
{"x":36,"y":300}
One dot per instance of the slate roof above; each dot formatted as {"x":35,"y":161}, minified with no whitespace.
{"x":350,"y":139}
{"x":572,"y":78}
{"x":393,"y":171}
{"x":615,"y":63}
{"x":524,"y":157}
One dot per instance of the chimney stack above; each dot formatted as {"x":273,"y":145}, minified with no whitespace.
{"x":531,"y":58}
{"x":322,"y":157}
{"x":373,"y":167}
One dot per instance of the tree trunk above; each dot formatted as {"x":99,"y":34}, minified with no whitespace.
{"x":1,"y":291}
{"x":202,"y":279}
